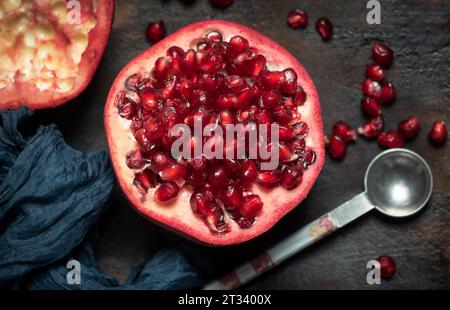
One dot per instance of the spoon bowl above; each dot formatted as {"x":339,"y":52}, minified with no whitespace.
{"x":398,"y":182}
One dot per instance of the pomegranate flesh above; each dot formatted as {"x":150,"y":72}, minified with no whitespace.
{"x":219,"y":73}
{"x":48,"y":53}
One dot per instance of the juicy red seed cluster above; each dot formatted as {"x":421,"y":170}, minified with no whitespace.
{"x":222,"y":83}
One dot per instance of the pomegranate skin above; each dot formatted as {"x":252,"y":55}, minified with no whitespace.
{"x":177,"y":214}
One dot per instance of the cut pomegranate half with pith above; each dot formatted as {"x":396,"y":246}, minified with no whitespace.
{"x":49,"y":51}
{"x":221,"y":73}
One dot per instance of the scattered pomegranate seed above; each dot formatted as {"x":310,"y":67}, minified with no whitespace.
{"x":336,"y":147}
{"x":387,"y":266}
{"x":390,"y":139}
{"x":371,"y":88}
{"x":382,"y":55}
{"x":167,"y":191}
{"x":156,"y":31}
{"x":325,"y":28}
{"x":388,"y":94}
{"x":374,"y":72}
{"x":297,"y":18}
{"x":438,"y":133}
{"x":372,"y":128}
{"x":409,"y":127}
{"x":370,"y":107}
{"x":344,"y":131}
{"x":221,"y":3}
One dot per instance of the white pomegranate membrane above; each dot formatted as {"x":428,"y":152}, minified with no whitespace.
{"x":220,"y":83}
{"x":39,"y":45}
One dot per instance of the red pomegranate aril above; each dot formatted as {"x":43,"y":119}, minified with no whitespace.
{"x":211,"y":82}
{"x":249,"y":170}
{"x":309,"y":157}
{"x":372,"y":128}
{"x":160,"y":161}
{"x":166,"y":191}
{"x":221,"y":3}
{"x":214,"y":36}
{"x":382,"y":55}
{"x":169,"y":88}
{"x":268,"y":179}
{"x":262,"y":116}
{"x":301,"y":130}
{"x":135,"y":160}
{"x":227,"y":101}
{"x":299,"y":96}
{"x":176,"y":52}
{"x":185,"y":89}
{"x":127,"y":108}
{"x":409,"y":127}
{"x":156,"y":31}
{"x":371,"y":88}
{"x":286,"y":153}
{"x":173,"y":172}
{"x":336,"y":147}
{"x":233,"y":84}
{"x":251,"y":207}
{"x":270,"y":98}
{"x":438,"y":133}
{"x":370,"y":107}
{"x":133,"y":82}
{"x":211,"y":63}
{"x":245,"y":98}
{"x":282,"y":114}
{"x":232,"y":197}
{"x":218,"y":177}
{"x":189,"y":62}
{"x":237,"y":45}
{"x":144,"y":141}
{"x":285,"y":132}
{"x":200,"y":205}
{"x":289,"y":85}
{"x":297,"y":18}
{"x":388,"y":94}
{"x":387,"y":266}
{"x":144,"y":180}
{"x":325,"y":28}
{"x":226,"y":117}
{"x":271,"y":79}
{"x":375,"y":72}
{"x":150,"y":98}
{"x":344,"y":131}
{"x":255,"y":65}
{"x":291,"y":178}
{"x":390,"y":139}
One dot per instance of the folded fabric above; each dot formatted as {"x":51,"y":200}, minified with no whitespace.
{"x":50,"y":195}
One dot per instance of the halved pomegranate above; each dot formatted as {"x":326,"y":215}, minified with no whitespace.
{"x":221,"y":73}
{"x":50,"y":49}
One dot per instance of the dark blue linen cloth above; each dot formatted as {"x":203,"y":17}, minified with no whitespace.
{"x":50,"y":196}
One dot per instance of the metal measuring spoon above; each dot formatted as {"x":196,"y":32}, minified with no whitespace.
{"x":398,"y":183}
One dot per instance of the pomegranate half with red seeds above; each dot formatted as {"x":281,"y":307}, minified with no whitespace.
{"x":49,"y":52}
{"x":221,"y":73}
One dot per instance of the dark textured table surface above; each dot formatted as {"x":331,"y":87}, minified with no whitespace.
{"x":419,"y":33}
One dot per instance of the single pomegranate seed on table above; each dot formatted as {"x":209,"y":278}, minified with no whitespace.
{"x":390,"y":139}
{"x":370,"y":107}
{"x":387,"y":266}
{"x":382,"y":54}
{"x":388,"y":94}
{"x":371,"y":88}
{"x":325,"y":28}
{"x":156,"y":31}
{"x":372,"y":128}
{"x":438,"y":133}
{"x":375,"y":72}
{"x":344,"y":131}
{"x":297,"y":18}
{"x":409,"y":127}
{"x":336,"y":147}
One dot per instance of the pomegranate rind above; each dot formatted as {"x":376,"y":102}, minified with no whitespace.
{"x":177,"y":215}
{"x":21,"y":94}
